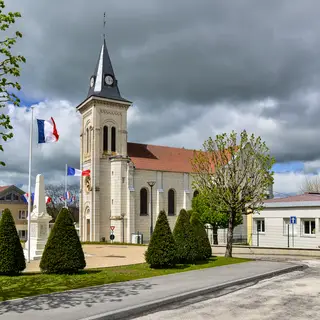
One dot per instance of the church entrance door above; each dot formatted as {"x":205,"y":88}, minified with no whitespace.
{"x":88,"y":230}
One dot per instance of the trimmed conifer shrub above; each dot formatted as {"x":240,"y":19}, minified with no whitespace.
{"x":12,"y":260}
{"x":184,"y":237}
{"x":63,"y":252}
{"x":161,"y":252}
{"x":203,"y":244}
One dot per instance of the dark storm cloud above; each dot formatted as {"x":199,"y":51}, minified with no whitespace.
{"x":173,"y":51}
{"x":193,"y":53}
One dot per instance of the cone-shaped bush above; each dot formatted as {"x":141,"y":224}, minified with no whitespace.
{"x":12,"y":259}
{"x":63,"y":252}
{"x":204,"y":248}
{"x":184,"y":237}
{"x":161,"y":252}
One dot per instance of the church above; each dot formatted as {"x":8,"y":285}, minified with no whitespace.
{"x":130,"y":183}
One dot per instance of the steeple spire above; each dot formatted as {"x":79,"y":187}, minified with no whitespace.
{"x":103,"y":82}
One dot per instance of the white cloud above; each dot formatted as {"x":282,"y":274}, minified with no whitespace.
{"x":210,"y":124}
{"x":285,"y":183}
{"x":50,"y":159}
{"x":219,"y":119}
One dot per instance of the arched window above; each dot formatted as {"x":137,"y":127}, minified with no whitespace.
{"x":105,"y":138}
{"x":195,"y":193}
{"x":143,"y":202}
{"x":113,"y":139}
{"x":87,"y":144}
{"x":171,"y":202}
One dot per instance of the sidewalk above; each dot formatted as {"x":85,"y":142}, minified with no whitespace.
{"x":108,"y":301}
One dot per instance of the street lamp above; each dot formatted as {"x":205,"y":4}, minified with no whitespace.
{"x":122,"y":216}
{"x":151,"y":184}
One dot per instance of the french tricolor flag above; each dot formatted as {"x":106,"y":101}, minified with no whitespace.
{"x":67,"y":195}
{"x":48,"y":200}
{"x":47,"y":131}
{"x":25,"y":197}
{"x":77,"y":173}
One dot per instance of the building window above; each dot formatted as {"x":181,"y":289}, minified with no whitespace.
{"x":15,"y":197}
{"x":171,"y":202}
{"x":309,"y":226}
{"x":105,"y":138}
{"x":23,"y":234}
{"x":9,"y":197}
{"x":143,"y":202}
{"x":87,"y":142}
{"x":260,"y":225}
{"x":195,"y":193}
{"x":23,"y":214}
{"x":113,"y":139}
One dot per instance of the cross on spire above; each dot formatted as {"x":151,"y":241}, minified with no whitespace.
{"x":104,"y":26}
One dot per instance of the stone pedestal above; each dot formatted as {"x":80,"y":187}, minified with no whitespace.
{"x":39,"y":227}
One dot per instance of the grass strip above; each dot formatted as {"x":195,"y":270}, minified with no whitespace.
{"x":26,"y":285}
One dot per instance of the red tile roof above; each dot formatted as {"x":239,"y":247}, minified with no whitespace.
{"x":298,"y":198}
{"x":151,"y":157}
{"x":4,"y":188}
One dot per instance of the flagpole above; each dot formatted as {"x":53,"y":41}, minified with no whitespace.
{"x":66,"y":187}
{"x":29,"y":182}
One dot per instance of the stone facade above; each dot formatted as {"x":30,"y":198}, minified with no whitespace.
{"x":103,"y":193}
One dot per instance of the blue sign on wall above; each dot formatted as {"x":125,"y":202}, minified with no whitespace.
{"x":293,"y":220}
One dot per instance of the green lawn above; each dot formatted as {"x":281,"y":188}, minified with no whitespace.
{"x":35,"y":284}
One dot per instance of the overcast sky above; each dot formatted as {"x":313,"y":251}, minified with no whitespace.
{"x":192,"y":69}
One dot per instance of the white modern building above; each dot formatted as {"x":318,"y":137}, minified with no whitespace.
{"x":287,"y":222}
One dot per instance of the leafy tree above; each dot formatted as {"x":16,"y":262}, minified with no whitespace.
{"x":63,"y":251}
{"x":12,"y":259}
{"x":210,"y":214}
{"x":203,"y":244}
{"x":161,"y":251}
{"x":9,"y":68}
{"x":236,"y":173}
{"x":184,"y":237}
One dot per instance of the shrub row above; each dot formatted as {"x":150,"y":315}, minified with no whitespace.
{"x":63,"y":252}
{"x":187,"y":244}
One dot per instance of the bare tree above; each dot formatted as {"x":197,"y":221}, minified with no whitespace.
{"x":236,"y":176}
{"x":56,"y":193}
{"x":311,"y":184}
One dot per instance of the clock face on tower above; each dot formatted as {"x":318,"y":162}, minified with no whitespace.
{"x":91,"y":82}
{"x":108,"y":80}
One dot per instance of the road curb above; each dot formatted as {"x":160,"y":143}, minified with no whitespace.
{"x":140,"y":309}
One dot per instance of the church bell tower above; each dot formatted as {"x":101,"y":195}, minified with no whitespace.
{"x":103,"y":150}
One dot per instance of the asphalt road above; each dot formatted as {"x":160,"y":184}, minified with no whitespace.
{"x":294,"y":296}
